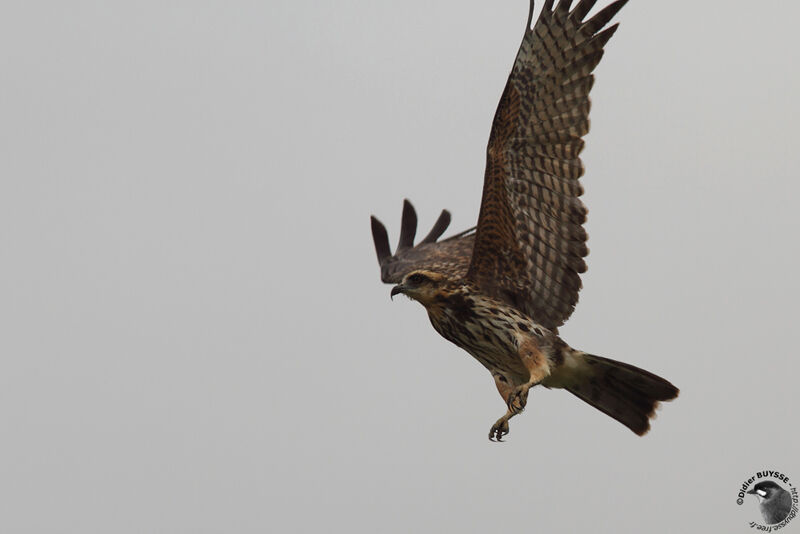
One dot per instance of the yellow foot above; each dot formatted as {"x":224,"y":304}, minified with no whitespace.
{"x":499,"y":429}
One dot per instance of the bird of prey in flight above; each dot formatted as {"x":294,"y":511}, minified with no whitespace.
{"x":501,"y":290}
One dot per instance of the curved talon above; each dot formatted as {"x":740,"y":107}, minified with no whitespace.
{"x":518,"y":399}
{"x":498,"y":430}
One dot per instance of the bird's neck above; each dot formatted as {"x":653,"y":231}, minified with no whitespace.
{"x":456,"y":296}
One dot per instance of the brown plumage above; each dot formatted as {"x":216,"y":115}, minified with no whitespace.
{"x":501,"y":289}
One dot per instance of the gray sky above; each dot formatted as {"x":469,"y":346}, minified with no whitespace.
{"x":195,"y":337}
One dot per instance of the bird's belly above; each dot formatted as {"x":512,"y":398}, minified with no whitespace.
{"x":493,"y":341}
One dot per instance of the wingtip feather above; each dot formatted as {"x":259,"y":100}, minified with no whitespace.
{"x":408,"y":226}
{"x":562,"y":9}
{"x":530,"y":16}
{"x":381,"y":239}
{"x":580,"y":11}
{"x":439,"y":227}
{"x":603,"y":16}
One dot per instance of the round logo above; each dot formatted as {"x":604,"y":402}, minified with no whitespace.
{"x":773,"y":499}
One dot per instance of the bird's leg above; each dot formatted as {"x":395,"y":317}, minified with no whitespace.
{"x":538,"y":366}
{"x":515,"y":399}
{"x":500,"y":428}
{"x":516,"y":403}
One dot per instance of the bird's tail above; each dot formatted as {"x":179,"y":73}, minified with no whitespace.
{"x":628,"y":394}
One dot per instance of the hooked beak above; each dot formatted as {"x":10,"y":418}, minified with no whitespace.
{"x":399,"y":288}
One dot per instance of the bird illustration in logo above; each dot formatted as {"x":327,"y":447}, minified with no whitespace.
{"x":501,"y":290}
{"x":774,"y":501}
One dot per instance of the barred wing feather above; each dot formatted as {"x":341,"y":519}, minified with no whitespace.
{"x":530,"y":242}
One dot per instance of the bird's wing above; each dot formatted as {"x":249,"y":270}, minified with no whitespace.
{"x":530,"y":242}
{"x":450,"y":256}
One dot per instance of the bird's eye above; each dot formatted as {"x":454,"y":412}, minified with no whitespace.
{"x":417,"y":278}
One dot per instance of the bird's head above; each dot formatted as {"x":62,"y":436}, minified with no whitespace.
{"x":766,"y":490}
{"x":421,"y":285}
